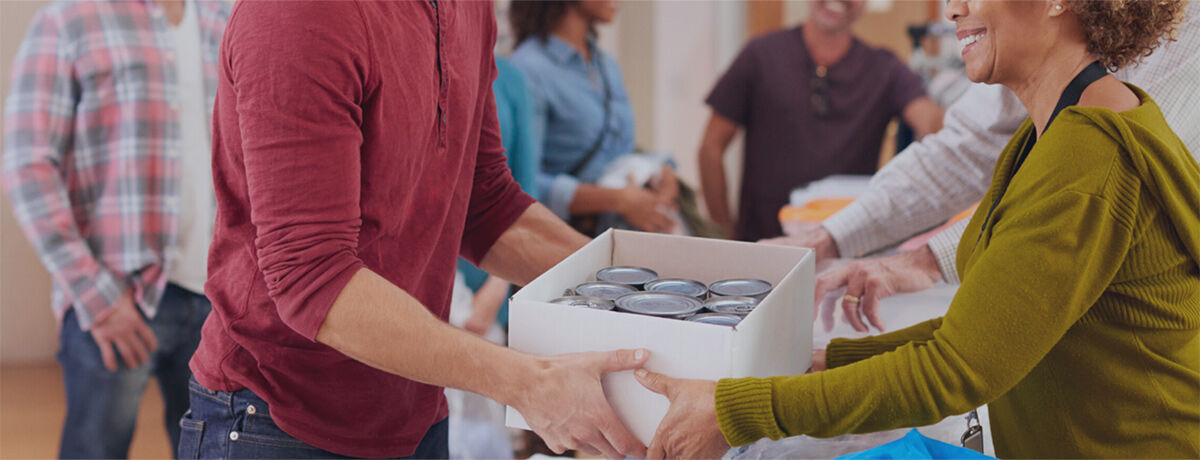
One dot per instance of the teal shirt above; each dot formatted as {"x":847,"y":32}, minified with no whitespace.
{"x":515,"y":111}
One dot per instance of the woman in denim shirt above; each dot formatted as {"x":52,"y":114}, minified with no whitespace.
{"x":570,"y":83}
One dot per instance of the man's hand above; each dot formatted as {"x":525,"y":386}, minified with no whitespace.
{"x":124,"y":329}
{"x":810,"y":235}
{"x":869,"y":280}
{"x":689,"y":430}
{"x":564,"y":403}
{"x":643,"y":208}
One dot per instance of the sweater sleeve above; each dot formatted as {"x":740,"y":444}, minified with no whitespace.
{"x":1046,"y":263}
{"x":932,"y":179}
{"x":300,"y":73}
{"x":842,"y":352}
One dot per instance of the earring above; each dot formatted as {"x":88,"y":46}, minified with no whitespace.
{"x":1058,"y":7}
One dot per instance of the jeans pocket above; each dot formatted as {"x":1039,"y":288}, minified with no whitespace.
{"x":191,"y":433}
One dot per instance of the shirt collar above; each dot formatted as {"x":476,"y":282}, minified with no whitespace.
{"x":563,"y":52}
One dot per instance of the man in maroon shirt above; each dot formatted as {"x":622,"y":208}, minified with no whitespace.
{"x":356,"y":155}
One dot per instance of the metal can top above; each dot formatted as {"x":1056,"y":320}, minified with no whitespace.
{"x":603,"y":290}
{"x":679,"y":286}
{"x":732,"y":305}
{"x":633,"y":276}
{"x":594,"y":303}
{"x":720,"y":319}
{"x":743,"y":287}
{"x":666,"y":304}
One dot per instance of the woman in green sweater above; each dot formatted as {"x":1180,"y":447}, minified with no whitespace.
{"x":1078,"y":319}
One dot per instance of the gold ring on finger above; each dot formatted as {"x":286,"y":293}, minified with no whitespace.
{"x":851,"y":299}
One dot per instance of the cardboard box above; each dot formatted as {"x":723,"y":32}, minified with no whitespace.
{"x":775,"y":339}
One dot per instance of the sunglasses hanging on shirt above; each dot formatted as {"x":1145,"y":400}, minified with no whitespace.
{"x":820,"y":91}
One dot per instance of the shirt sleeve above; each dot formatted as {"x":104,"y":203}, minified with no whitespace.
{"x":733,"y":94}
{"x":945,"y":249}
{"x":906,"y":86}
{"x":496,"y":199}
{"x":299,"y":71}
{"x":1037,"y":278}
{"x":523,"y":159}
{"x":934,"y":178}
{"x":555,"y":190}
{"x":39,"y":118}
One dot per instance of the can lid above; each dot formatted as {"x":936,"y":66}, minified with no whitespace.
{"x":720,"y":319}
{"x":659,"y":304}
{"x":745,"y":287}
{"x":627,"y":275}
{"x":678,"y":285}
{"x":733,"y":305}
{"x":603,"y":290}
{"x":594,"y":303}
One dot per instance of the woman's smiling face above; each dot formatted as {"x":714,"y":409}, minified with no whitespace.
{"x":999,"y":37}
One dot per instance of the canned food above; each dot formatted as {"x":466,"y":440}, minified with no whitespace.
{"x":603,"y":290}
{"x":661,"y":304}
{"x":679,"y":286}
{"x":720,"y":319}
{"x":594,"y":303}
{"x":741,"y":287}
{"x":633,"y":276}
{"x":740,"y":306}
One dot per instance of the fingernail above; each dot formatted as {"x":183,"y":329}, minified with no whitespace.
{"x":640,"y":372}
{"x":638,"y":355}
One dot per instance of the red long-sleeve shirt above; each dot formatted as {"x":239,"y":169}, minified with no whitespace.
{"x":346,"y":135}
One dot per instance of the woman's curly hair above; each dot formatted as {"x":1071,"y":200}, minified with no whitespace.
{"x":1121,"y":32}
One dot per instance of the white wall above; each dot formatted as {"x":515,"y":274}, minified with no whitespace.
{"x":27,"y":330}
{"x":672,"y":53}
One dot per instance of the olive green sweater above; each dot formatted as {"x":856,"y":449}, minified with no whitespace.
{"x":1078,"y":319}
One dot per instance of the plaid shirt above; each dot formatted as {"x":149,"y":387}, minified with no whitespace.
{"x":91,"y":146}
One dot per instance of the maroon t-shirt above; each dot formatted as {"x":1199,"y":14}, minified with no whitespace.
{"x":767,"y":90}
{"x":347,"y":135}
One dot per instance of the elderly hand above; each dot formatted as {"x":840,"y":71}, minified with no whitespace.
{"x":689,"y":429}
{"x":810,"y":235}
{"x":869,"y":280}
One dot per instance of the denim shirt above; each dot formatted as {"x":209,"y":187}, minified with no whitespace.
{"x":568,"y":114}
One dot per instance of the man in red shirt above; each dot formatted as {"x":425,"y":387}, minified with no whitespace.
{"x":356,"y":155}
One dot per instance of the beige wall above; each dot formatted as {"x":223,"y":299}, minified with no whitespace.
{"x":27,"y":330}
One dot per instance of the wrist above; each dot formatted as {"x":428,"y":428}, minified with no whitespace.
{"x":926,"y":262}
{"x":520,"y":376}
{"x":825,"y":247}
{"x":622,"y":201}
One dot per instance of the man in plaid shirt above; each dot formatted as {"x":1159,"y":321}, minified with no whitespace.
{"x":107,"y":162}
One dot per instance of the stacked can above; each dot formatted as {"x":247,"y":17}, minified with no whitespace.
{"x":639,"y":290}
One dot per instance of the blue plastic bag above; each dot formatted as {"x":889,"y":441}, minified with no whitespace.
{"x":913,"y":446}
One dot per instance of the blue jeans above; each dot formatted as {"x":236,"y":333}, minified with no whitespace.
{"x":102,"y":405}
{"x":239,"y":425}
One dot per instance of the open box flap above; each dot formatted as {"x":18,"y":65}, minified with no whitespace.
{"x":702,"y":259}
{"x":776,"y":339}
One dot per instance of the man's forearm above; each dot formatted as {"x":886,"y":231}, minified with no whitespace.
{"x":537,"y":241}
{"x":375,"y":322}
{"x":712,"y":181}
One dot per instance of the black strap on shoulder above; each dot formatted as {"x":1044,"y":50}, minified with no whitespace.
{"x":591,"y":153}
{"x":1070,"y":97}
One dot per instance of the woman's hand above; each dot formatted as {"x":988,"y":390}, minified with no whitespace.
{"x":818,"y":361}
{"x":643,"y":208}
{"x":666,"y":186}
{"x":690,"y":428}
